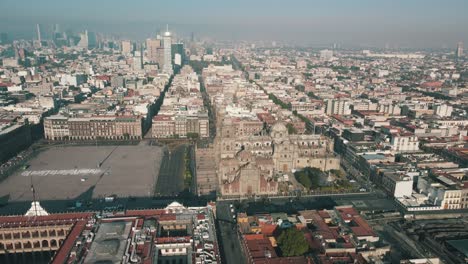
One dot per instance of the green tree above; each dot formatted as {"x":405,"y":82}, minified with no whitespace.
{"x":309,"y":177}
{"x":300,"y":87}
{"x":292,"y":243}
{"x":304,"y":180}
{"x":192,"y":135}
{"x":291,"y":129}
{"x":338,"y":173}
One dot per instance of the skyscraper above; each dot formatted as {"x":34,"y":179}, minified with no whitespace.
{"x":326,"y":55}
{"x":38,"y":34}
{"x":178,"y":48}
{"x":57,"y":34}
{"x":152,"y":46}
{"x":92,"y":40}
{"x":178,"y":55}
{"x":127,"y":47}
{"x":460,"y":49}
{"x":167,"y":43}
{"x":138,"y":60}
{"x":83,"y":40}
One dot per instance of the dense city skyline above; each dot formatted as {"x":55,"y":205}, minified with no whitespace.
{"x":234,"y":132}
{"x":414,"y":24}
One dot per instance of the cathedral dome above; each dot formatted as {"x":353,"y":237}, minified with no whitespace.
{"x":279,"y":132}
{"x":279,"y":127}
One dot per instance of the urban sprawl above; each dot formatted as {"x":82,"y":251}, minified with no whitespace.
{"x":185,"y":150}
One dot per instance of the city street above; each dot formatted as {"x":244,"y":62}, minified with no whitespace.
{"x":229,"y":241}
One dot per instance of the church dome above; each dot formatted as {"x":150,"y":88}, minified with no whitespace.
{"x":279,"y":127}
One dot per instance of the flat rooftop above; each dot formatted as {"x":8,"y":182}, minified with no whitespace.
{"x":61,"y":173}
{"x":109,"y":244}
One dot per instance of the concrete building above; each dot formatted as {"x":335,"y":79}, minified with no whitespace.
{"x":117,"y":81}
{"x":137,"y":61}
{"x":13,"y":139}
{"x":459,"y":52}
{"x":389,"y":108}
{"x":443,"y":110}
{"x":38,"y":35}
{"x":326,"y":55}
{"x":397,"y":185}
{"x":93,"y":128}
{"x":404,"y":142}
{"x":338,"y":107}
{"x":167,"y":42}
{"x":167,"y":126}
{"x":84,"y":41}
{"x":127,"y":47}
{"x":152,"y":47}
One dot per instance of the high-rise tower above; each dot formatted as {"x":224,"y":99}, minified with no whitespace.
{"x":38,"y":34}
{"x":167,"y":42}
{"x":152,"y":46}
{"x":83,"y":44}
{"x":459,"y":49}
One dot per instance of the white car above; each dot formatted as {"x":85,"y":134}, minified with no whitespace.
{"x":208,"y":246}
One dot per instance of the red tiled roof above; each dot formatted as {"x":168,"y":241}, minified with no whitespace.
{"x":26,"y":220}
{"x":431,"y":84}
{"x":167,"y":217}
{"x":64,"y":251}
{"x":150,"y":212}
{"x":200,"y":217}
{"x":268,"y":230}
{"x":103,"y":77}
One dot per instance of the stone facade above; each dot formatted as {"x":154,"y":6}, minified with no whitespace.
{"x":92,"y":128}
{"x":249,"y":164}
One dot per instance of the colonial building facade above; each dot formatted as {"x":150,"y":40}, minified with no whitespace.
{"x":92,"y":128}
{"x":249,"y":164}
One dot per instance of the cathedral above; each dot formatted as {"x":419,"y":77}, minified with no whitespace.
{"x":250,"y":165}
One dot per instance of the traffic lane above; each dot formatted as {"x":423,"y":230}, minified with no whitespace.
{"x":230,"y":240}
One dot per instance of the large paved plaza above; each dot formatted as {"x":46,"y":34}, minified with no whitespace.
{"x":70,"y":171}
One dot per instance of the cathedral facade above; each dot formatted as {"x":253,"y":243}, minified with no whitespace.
{"x":251,"y":164}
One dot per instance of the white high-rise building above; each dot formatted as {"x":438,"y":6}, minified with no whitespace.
{"x":167,"y":43}
{"x":460,"y":49}
{"x":177,"y":59}
{"x":326,"y":55}
{"x":38,"y":33}
{"x":338,"y":107}
{"x":127,"y":47}
{"x":137,"y":61}
{"x":83,"y":44}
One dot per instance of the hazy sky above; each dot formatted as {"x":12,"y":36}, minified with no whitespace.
{"x":414,"y":23}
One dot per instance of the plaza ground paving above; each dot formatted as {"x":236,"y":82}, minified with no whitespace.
{"x":66,"y":172}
